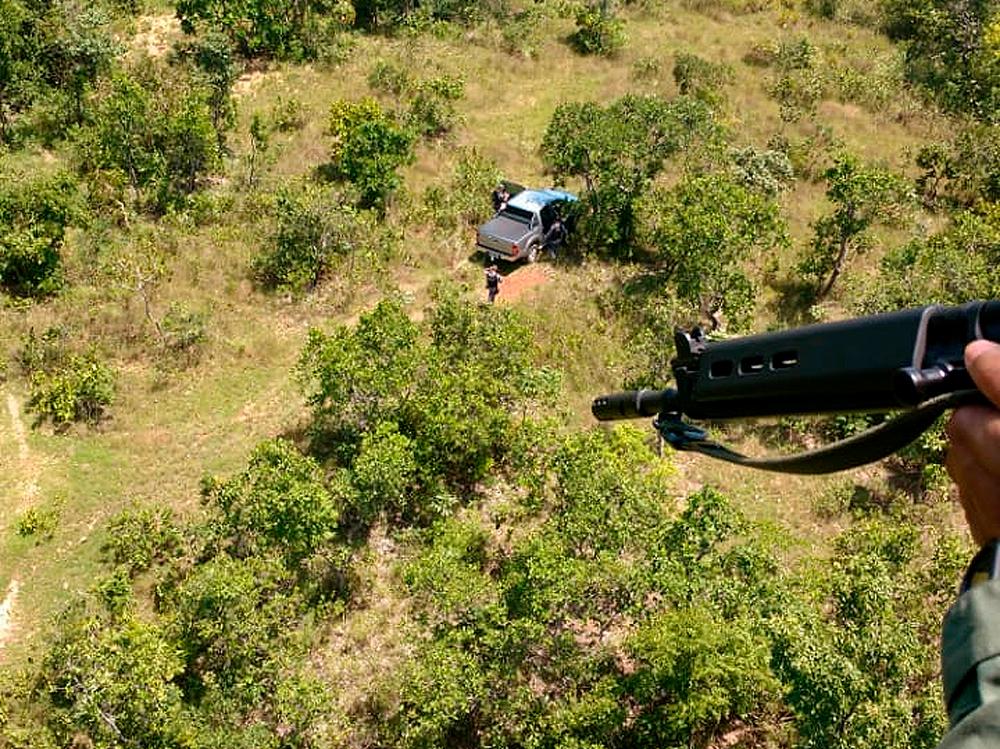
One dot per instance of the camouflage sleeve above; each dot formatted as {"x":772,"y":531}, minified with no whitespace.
{"x":970,"y":661}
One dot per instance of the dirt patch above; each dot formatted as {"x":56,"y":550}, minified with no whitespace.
{"x":156,"y":34}
{"x":29,"y":471}
{"x":248,"y":82}
{"x":6,"y":619}
{"x":19,"y":434}
{"x":519,"y":282}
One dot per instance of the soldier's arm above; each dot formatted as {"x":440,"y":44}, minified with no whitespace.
{"x":970,"y":641}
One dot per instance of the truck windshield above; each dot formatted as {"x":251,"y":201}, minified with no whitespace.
{"x":518,"y":214}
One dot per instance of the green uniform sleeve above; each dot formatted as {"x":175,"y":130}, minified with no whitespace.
{"x":970,"y":660}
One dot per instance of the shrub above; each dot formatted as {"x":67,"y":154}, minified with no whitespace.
{"x":79,"y":390}
{"x":767,"y":172}
{"x":43,"y":353}
{"x":315,"y":227}
{"x":617,"y":150}
{"x":231,"y":618}
{"x":41,"y":522}
{"x":103,"y":679}
{"x":964,"y":171}
{"x":701,"y":78}
{"x":951,"y":51}
{"x":861,"y":195}
{"x":701,"y":234}
{"x":35,"y":215}
{"x":521,"y":32}
{"x":280,"y":503}
{"x":465,"y":201}
{"x":959,"y":263}
{"x":153,"y":131}
{"x":138,"y":537}
{"x":263,"y":29}
{"x":184,"y":330}
{"x":598,"y":31}
{"x":368,"y":147}
{"x":431,"y":110}
{"x":288,"y":115}
{"x":385,"y":473}
{"x":389,"y":77}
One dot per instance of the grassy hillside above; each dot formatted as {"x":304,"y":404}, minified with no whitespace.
{"x":176,"y":418}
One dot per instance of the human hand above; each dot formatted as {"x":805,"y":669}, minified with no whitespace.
{"x":974,"y":455}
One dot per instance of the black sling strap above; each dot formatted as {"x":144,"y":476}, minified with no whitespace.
{"x":867,"y":447}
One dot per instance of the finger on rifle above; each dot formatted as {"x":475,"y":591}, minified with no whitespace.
{"x":983,"y":361}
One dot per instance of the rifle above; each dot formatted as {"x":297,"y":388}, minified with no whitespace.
{"x":909,"y":361}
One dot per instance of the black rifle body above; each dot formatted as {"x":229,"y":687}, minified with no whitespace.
{"x":880,"y":363}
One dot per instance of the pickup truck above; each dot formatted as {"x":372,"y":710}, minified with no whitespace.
{"x":516,"y":231}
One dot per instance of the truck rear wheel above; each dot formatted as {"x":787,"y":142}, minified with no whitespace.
{"x":532,"y":254}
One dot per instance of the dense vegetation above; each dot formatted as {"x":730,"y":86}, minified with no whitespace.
{"x":287,"y":483}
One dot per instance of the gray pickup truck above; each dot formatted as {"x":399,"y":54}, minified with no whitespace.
{"x":516,"y":231}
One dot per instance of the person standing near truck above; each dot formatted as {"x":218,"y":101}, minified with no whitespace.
{"x":500,"y":197}
{"x":493,"y":281}
{"x":555,"y":236}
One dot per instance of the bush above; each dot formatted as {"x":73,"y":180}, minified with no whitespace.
{"x":368,"y":147}
{"x":151,"y":131}
{"x":959,"y":263}
{"x":431,"y":110}
{"x":279,"y":503}
{"x":231,"y":619}
{"x":138,"y":537}
{"x":316,"y":227}
{"x":79,"y":390}
{"x":618,"y":150}
{"x":102,"y":680}
{"x":598,"y":32}
{"x":184,"y":330}
{"x":951,"y":51}
{"x":700,"y":237}
{"x":41,"y":522}
{"x":263,"y":29}
{"x":465,"y":201}
{"x":35,"y":215}
{"x":701,"y":78}
{"x":861,"y":195}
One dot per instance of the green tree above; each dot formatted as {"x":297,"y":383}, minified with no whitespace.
{"x":35,"y":215}
{"x":368,"y":147}
{"x":598,"y":31}
{"x":861,"y":195}
{"x":113,"y":682}
{"x":617,"y":150}
{"x":153,"y":131}
{"x":19,"y":72}
{"x":82,"y":51}
{"x":701,"y":236}
{"x":81,"y":389}
{"x":268,"y":28}
{"x":279,"y":503}
{"x":315,"y":227}
{"x":964,"y":170}
{"x":214,"y":59}
{"x":953,"y":49}
{"x":701,"y":78}
{"x":959,"y":263}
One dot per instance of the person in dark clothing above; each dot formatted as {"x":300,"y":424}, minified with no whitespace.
{"x":500,"y":197}
{"x":555,"y":236}
{"x":493,"y":281}
{"x":970,"y":638}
